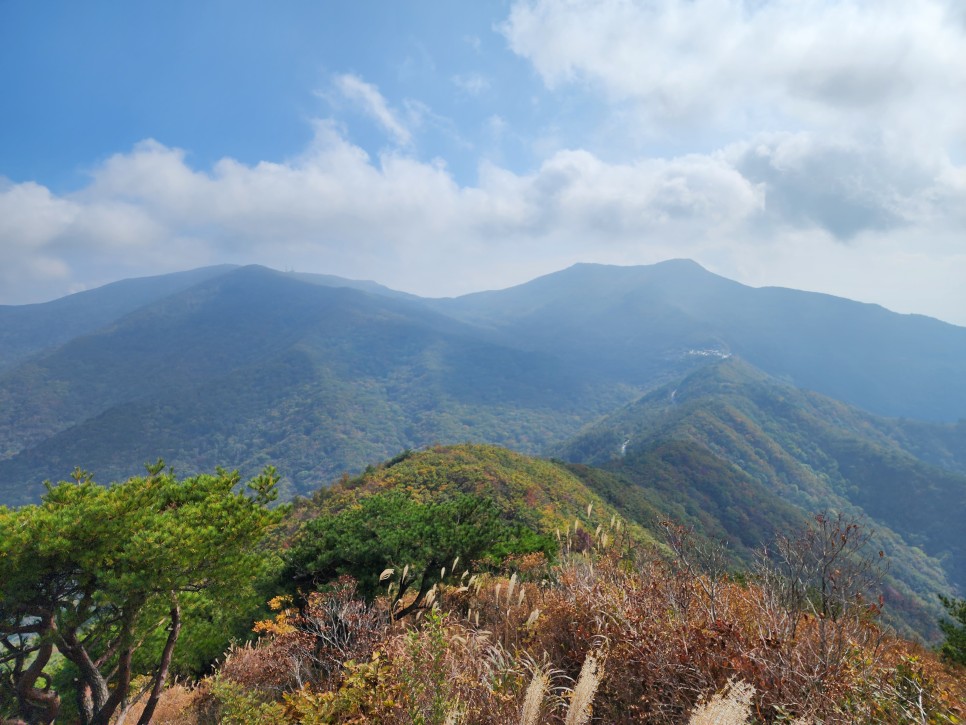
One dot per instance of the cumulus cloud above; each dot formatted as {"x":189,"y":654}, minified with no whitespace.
{"x":575,"y":193}
{"x":846,"y":189}
{"x":30,"y":215}
{"x":737,"y":64}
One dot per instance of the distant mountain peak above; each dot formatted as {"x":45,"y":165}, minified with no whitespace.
{"x":667,"y":266}
{"x":677,"y":262}
{"x":676,"y":265}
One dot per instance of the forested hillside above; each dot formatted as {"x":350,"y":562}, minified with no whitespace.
{"x":740,"y":455}
{"x":257,"y":368}
{"x":319,"y":375}
{"x":26,"y":330}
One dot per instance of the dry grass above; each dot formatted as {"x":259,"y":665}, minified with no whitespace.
{"x":731,"y":706}
{"x":533,"y":700}
{"x":582,"y":700}
{"x":503,"y":650}
{"x":178,"y":705}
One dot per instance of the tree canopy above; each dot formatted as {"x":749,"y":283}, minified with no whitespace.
{"x":102,"y":576}
{"x":954,"y":648}
{"x":417,"y":540}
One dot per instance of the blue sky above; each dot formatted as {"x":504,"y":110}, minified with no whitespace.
{"x":443,"y":148}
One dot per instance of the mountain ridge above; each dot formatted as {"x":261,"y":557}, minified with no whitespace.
{"x":739,"y":442}
{"x":547,"y":359}
{"x":641,"y":322}
{"x":379,"y":371}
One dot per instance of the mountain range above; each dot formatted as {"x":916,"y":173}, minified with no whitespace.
{"x":668,"y":390}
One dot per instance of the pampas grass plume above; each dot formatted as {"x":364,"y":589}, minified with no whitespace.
{"x":731,"y":706}
{"x":534,"y":699}
{"x":584,"y":691}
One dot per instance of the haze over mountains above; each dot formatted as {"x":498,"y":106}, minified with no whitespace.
{"x":319,"y":374}
{"x":634,"y":321}
{"x":243,"y":367}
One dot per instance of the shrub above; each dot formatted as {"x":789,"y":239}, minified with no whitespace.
{"x":511,"y":649}
{"x":954,"y":648}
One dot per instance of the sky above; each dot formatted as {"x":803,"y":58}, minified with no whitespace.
{"x":446,"y":147}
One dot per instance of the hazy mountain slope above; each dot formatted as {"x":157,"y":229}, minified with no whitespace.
{"x":330,"y":280}
{"x":255,"y":368}
{"x":28,"y":329}
{"x":637,"y":323}
{"x":736,"y":453}
{"x":209,"y":329}
{"x":940,"y":445}
{"x":610,"y":321}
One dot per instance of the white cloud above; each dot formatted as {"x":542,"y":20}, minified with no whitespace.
{"x":847,"y":188}
{"x":894,"y":66}
{"x":409,"y":224}
{"x":373,"y":104}
{"x":576,"y":195}
{"x":30,"y":215}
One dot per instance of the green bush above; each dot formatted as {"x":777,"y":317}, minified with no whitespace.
{"x":954,"y":648}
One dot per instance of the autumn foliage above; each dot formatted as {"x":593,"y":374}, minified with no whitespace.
{"x":604,"y":634}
